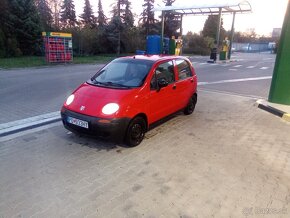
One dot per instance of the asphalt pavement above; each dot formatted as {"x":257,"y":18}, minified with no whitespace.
{"x":247,"y":74}
{"x":35,"y":91}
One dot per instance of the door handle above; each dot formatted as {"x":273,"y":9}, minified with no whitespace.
{"x":174,"y":87}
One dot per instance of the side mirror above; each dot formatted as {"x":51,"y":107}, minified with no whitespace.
{"x":162,"y":82}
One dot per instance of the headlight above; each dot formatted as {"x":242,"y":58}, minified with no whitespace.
{"x":110,"y":108}
{"x":70,"y":99}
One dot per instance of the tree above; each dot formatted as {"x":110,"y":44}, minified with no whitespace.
{"x":172,"y":21}
{"x":121,"y":23}
{"x":127,"y":16}
{"x":148,"y":22}
{"x":251,"y":34}
{"x":102,"y":34}
{"x":45,"y":14}
{"x":55,"y":6}
{"x":113,"y":31}
{"x":196,"y":44}
{"x":87,"y":17}
{"x":87,"y":43}
{"x":68,"y":14}
{"x":210,"y":27}
{"x":122,"y":9}
{"x":102,"y":19}
{"x":3,"y":28}
{"x":23,"y":28}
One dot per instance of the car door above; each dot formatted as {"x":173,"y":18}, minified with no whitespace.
{"x":162,"y":100}
{"x":186,"y":83}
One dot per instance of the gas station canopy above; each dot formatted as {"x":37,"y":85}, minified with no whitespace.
{"x":209,"y":7}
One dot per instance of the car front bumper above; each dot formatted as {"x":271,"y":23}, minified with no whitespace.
{"x":111,"y":129}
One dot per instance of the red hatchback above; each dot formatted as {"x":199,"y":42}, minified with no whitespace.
{"x":129,"y":94}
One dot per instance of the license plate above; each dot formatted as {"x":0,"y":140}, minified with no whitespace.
{"x":78,"y":122}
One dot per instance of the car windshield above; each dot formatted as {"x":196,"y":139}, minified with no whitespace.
{"x":123,"y":73}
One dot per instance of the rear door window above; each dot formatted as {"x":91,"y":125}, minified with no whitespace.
{"x":184,"y":70}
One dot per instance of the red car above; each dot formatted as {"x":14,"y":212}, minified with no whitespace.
{"x":128,"y":95}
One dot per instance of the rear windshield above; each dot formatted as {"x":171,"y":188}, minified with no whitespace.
{"x":123,"y":73}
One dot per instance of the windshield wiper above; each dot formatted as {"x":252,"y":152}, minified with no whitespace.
{"x":115,"y":84}
{"x":96,"y":82}
{"x":112,"y":84}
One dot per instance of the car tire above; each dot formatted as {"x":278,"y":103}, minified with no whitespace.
{"x":135,"y":132}
{"x":191,"y":105}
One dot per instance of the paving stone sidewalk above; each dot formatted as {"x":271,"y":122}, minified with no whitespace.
{"x":228,"y":159}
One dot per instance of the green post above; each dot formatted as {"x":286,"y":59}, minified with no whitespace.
{"x":280,"y":86}
{"x":172,"y":46}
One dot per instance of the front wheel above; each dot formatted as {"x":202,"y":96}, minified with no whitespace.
{"x":135,"y":132}
{"x":191,"y":105}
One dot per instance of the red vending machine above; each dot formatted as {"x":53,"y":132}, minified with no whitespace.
{"x":58,"y":47}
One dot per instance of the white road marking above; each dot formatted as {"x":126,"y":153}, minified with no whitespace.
{"x":234,"y":80}
{"x":203,"y":63}
{"x":250,"y":67}
{"x":264,"y":68}
{"x":233,"y":69}
{"x":238,"y":66}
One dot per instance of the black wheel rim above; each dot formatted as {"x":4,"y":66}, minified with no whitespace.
{"x":137,"y":133}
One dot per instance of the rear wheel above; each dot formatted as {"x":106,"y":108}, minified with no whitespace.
{"x":135,"y":132}
{"x":191,"y":105}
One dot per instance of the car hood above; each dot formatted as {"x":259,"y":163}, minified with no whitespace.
{"x":90,"y":99}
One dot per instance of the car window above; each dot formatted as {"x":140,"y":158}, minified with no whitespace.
{"x":123,"y":73}
{"x":183,"y":68}
{"x":163,"y":71}
{"x":114,"y":71}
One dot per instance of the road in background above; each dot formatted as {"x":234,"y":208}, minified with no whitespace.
{"x":248,"y":74}
{"x":35,"y":91}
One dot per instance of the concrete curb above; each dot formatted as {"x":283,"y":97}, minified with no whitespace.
{"x":28,"y":123}
{"x":273,"y":109}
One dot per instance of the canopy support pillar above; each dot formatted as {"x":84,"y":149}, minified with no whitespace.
{"x":232,"y":36}
{"x":181,"y":30}
{"x":162,"y":32}
{"x":218,"y":31}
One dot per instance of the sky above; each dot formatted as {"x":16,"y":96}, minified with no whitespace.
{"x":267,"y":14}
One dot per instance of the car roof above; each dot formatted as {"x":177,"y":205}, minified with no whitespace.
{"x":154,"y":58}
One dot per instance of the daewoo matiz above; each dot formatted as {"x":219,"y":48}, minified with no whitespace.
{"x":123,"y":99}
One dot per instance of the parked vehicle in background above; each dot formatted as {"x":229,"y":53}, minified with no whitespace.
{"x":272,"y":46}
